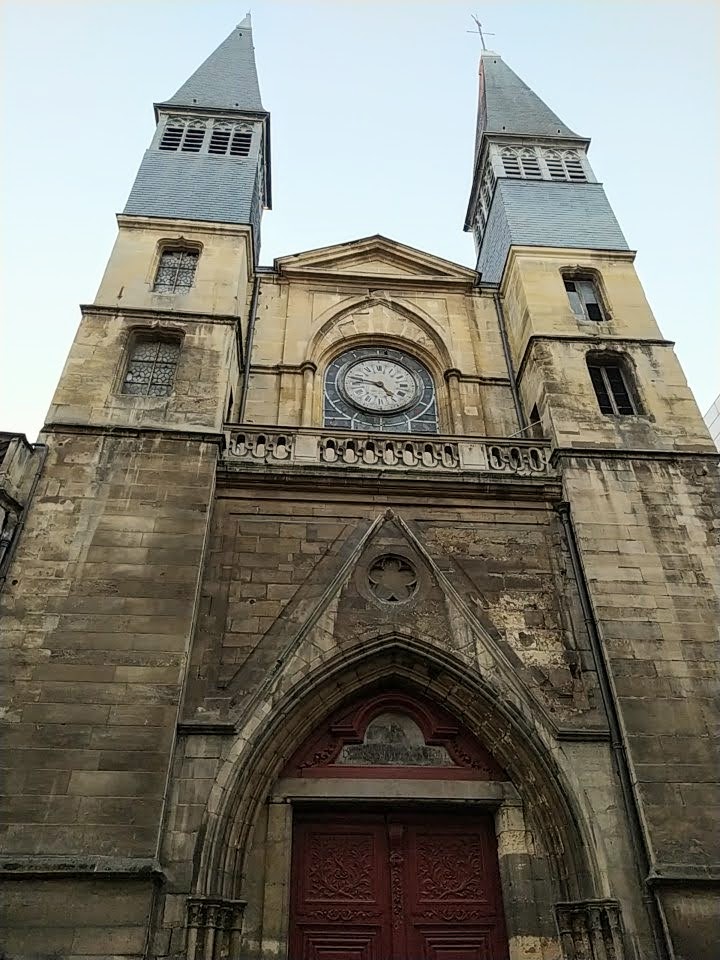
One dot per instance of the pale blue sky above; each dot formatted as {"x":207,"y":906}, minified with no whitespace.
{"x":373,"y":114}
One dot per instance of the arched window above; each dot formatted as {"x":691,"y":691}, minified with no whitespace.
{"x":574,"y":167}
{"x":187,"y":136}
{"x":151,"y":366}
{"x":555,"y":165}
{"x":176,"y":270}
{"x":584,"y":296}
{"x":230,"y":139}
{"x":530,"y":165}
{"x":379,"y":389}
{"x":511,"y":164}
{"x":612,"y":382}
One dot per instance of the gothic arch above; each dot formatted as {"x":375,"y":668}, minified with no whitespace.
{"x":402,"y":327}
{"x":409,"y":328}
{"x":267,"y":740}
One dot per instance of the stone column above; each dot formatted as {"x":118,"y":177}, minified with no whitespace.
{"x":276,"y":906}
{"x":308,"y":371}
{"x":214,"y":925}
{"x":590,"y":930}
{"x":452,"y":378}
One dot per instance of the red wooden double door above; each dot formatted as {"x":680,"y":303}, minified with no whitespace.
{"x":395,"y":886}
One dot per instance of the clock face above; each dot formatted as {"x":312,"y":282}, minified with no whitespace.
{"x":380,"y":385}
{"x":379,"y":389}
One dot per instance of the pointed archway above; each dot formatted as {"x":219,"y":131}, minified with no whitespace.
{"x":539,"y":812}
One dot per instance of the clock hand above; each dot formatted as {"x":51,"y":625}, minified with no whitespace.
{"x":374,"y":383}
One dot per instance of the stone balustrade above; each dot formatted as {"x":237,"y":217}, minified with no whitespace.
{"x":387,"y":452}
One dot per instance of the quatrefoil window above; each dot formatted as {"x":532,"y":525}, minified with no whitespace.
{"x":392,"y":579}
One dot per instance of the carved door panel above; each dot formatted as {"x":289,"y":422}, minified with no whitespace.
{"x":396,"y":886}
{"x":453,"y":907}
{"x":340,"y":905}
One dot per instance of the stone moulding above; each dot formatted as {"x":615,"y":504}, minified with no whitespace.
{"x":590,"y":930}
{"x":388,"y":452}
{"x":214,"y":926}
{"x":113,"y":868}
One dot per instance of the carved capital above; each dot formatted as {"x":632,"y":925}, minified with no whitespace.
{"x":214,"y":925}
{"x":590,"y":930}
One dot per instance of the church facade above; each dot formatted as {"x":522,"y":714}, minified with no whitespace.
{"x":364,"y":606}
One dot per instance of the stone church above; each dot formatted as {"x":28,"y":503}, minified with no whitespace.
{"x":362,"y":606}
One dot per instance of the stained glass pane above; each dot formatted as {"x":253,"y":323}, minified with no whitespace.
{"x":151,"y":371}
{"x":168,"y":352}
{"x":146,"y":350}
{"x":176,"y":271}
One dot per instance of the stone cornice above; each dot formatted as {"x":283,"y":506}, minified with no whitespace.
{"x":145,"y":313}
{"x":62,"y":867}
{"x":558,"y":253}
{"x":104,"y":430}
{"x":614,"y":453}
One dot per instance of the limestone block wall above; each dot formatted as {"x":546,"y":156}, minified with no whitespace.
{"x":550,"y":346}
{"x":221,"y":279}
{"x":96,"y":616}
{"x":285,"y":598}
{"x":648,"y":532}
{"x":555,"y":377}
{"x":90,"y":389}
{"x":266,"y":568}
{"x":537,"y":304}
{"x":304,"y":320}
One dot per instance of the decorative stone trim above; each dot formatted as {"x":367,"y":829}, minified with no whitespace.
{"x":357,"y":451}
{"x":214,"y":925}
{"x":590,"y":930}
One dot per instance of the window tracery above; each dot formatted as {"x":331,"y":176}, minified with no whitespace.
{"x":151,"y":368}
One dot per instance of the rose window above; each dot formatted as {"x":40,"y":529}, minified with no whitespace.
{"x":392,"y":579}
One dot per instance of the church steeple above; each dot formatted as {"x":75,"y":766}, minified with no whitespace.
{"x":228,"y":79}
{"x":532,"y":181}
{"x":210,"y":157}
{"x":508,"y":105}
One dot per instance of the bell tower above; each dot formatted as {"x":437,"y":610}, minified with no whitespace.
{"x":590,"y":363}
{"x":594,"y":375}
{"x":119,"y":522}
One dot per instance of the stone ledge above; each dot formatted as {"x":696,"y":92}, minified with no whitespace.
{"x":32,"y":868}
{"x":671,"y":873}
{"x":190,"y":728}
{"x":580,"y":735}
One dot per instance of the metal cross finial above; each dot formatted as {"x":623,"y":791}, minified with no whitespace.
{"x":480,"y":31}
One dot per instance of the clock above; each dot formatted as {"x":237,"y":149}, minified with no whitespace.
{"x":379,"y":384}
{"x":379,"y":389}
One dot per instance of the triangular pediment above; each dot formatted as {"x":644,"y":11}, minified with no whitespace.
{"x":335,"y":610}
{"x":374,"y":257}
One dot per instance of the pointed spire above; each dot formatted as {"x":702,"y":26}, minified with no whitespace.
{"x":228,"y":79}
{"x":507,"y":105}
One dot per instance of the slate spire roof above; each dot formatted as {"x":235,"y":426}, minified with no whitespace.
{"x":228,"y":79}
{"x":508,"y":105}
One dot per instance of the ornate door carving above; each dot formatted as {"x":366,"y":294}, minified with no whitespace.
{"x":396,"y":886}
{"x":340,"y":889}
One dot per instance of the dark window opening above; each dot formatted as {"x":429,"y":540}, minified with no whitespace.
{"x":171,"y":138}
{"x":219,"y":141}
{"x":535,"y":425}
{"x":584,"y":300}
{"x":240,"y":146}
{"x":228,"y":413}
{"x":193,"y":141}
{"x":611,"y":387}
